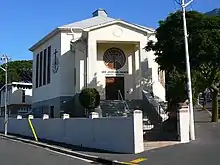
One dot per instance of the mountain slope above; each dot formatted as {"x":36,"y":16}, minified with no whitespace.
{"x":214,"y":12}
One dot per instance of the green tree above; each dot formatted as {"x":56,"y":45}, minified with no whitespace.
{"x":19,"y":71}
{"x":175,"y":87}
{"x":89,"y":99}
{"x":204,"y":50}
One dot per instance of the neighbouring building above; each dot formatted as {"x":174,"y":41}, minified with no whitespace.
{"x":19,"y":98}
{"x":100,"y":52}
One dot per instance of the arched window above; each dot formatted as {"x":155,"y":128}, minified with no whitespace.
{"x":114,"y":58}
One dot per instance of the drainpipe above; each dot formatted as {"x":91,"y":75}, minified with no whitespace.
{"x":86,"y":62}
{"x":74,"y":59}
{"x":86,"y":54}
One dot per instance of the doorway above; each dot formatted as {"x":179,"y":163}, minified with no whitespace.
{"x":114,"y":88}
{"x":51,"y":111}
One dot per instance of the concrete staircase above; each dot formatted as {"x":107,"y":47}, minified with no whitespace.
{"x":153,"y":108}
{"x":156,"y":107}
{"x":119,"y":107}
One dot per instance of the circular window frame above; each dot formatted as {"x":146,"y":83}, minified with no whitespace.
{"x":114,"y":66}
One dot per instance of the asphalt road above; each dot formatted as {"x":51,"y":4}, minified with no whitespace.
{"x":16,"y":153}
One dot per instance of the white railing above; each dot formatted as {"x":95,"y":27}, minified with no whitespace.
{"x":124,"y":101}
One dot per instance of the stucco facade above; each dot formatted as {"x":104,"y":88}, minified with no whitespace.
{"x":19,"y":97}
{"x":80,"y":61}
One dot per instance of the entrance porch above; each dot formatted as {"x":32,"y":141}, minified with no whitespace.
{"x":115,"y":70}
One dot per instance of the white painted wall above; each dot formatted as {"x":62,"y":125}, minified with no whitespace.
{"x":108,"y":34}
{"x":62,"y":82}
{"x":66,"y":83}
{"x":183,"y":124}
{"x":148,"y":59}
{"x":15,"y":96}
{"x":52,"y":89}
{"x":112,"y":134}
{"x":66,"y":66}
{"x":72,"y":57}
{"x":130,"y":37}
{"x":129,"y":78}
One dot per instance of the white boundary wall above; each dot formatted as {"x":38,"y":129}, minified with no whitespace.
{"x":183,"y":123}
{"x":119,"y":134}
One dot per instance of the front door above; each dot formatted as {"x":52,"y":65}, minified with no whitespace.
{"x":114,"y":89}
{"x":51,"y":111}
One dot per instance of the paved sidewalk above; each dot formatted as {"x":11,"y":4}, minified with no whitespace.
{"x":159,"y":144}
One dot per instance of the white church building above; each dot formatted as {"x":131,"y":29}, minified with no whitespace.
{"x":100,"y":52}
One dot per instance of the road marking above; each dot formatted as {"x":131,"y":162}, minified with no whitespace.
{"x":32,"y":129}
{"x":86,"y":160}
{"x":128,"y":163}
{"x":135,"y":161}
{"x":138,"y":160}
{"x":210,"y":113}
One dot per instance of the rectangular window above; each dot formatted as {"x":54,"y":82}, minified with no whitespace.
{"x":37,"y":72}
{"x":48,"y":64}
{"x":23,"y":96}
{"x":41,"y":68}
{"x":45,"y":65}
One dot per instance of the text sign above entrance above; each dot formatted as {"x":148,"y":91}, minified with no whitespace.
{"x":114,"y":72}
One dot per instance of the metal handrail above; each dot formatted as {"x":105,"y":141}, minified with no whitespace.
{"x":124,"y":101}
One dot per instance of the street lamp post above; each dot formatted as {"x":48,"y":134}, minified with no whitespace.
{"x":5,"y":58}
{"x":189,"y":86}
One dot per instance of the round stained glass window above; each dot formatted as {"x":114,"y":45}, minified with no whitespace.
{"x":114,"y":58}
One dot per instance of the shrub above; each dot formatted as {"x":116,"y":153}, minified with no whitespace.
{"x":89,"y":98}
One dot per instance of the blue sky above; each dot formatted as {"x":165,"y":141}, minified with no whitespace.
{"x":24,"y":22}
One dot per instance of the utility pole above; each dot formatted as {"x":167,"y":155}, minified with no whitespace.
{"x":189,"y":86}
{"x":5,"y":58}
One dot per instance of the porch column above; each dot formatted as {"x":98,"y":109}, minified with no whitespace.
{"x":91,"y":63}
{"x":137,"y":71}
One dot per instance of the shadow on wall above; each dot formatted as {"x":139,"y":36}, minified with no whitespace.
{"x":71,"y":104}
{"x":147,"y":105}
{"x":66,"y":102}
{"x":143,"y":77}
{"x":79,"y":110}
{"x":144,"y":82}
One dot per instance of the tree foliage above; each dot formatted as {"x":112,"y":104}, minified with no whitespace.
{"x":175,"y":87}
{"x":204,"y":49}
{"x":89,"y":98}
{"x":19,"y":71}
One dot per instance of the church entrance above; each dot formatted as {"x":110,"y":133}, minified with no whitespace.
{"x":114,"y":88}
